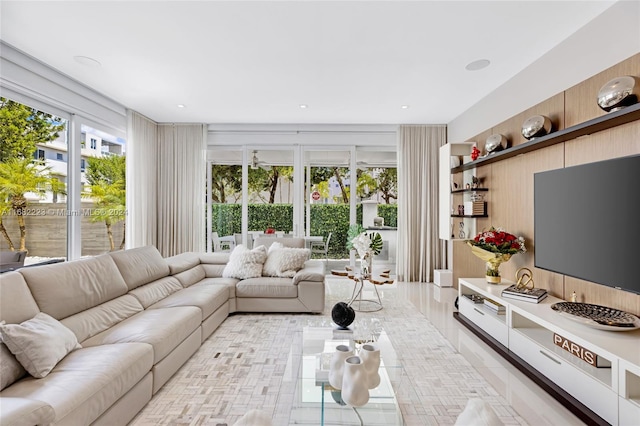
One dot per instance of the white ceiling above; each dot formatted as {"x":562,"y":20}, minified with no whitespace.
{"x":257,"y":62}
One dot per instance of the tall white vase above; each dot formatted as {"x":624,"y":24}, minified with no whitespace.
{"x":354,"y":383}
{"x":370,"y":355}
{"x":336,"y":367}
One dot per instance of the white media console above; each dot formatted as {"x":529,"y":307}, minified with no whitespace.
{"x":553,"y":350}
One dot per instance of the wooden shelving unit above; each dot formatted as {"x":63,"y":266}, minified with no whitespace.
{"x":612,"y":119}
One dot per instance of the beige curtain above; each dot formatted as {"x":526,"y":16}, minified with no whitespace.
{"x":181,"y":188}
{"x":142,"y":184}
{"x":420,"y":251}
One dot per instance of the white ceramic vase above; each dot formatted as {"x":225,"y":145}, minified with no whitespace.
{"x":354,"y":383}
{"x":336,"y":367}
{"x":370,"y":355}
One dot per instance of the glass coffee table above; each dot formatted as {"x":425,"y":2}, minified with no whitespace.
{"x":309,"y":398}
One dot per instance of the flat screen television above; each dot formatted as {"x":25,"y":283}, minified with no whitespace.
{"x":587,"y":222}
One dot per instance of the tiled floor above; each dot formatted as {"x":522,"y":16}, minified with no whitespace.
{"x":534,"y":405}
{"x":243,"y":365}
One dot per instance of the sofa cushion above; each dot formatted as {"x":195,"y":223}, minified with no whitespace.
{"x":215,"y":258}
{"x":16,"y":302}
{"x":190,"y":276}
{"x":182,"y":262}
{"x":39,"y":343}
{"x":229,"y":283}
{"x":156,"y":291}
{"x":164,"y":329}
{"x":64,"y":289}
{"x":245,"y":263}
{"x":25,"y":412}
{"x":10,"y":369}
{"x":213,"y":271}
{"x":95,"y":320}
{"x":207,"y":298}
{"x":140,"y":265}
{"x":284,"y":261}
{"x":267,"y":287}
{"x":88,"y":381}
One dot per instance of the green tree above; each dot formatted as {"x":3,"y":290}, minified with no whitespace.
{"x":22,"y":127}
{"x":19,"y":176}
{"x":106,"y":177}
{"x":267,"y":180}
{"x":225,"y":180}
{"x":366,"y":184}
{"x":323,"y":174}
{"x":388,"y":184}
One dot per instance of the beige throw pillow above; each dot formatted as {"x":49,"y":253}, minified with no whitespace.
{"x":10,"y":368}
{"x":284,"y":261}
{"x":244,"y":263}
{"x":39,"y":343}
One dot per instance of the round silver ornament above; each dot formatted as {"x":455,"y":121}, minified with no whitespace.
{"x":538,"y":125}
{"x":495,"y":143}
{"x":619,"y":93}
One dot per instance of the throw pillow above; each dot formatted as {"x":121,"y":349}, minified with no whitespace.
{"x":285,"y":261}
{"x":478,"y":413}
{"x":39,"y":343}
{"x":10,"y":368}
{"x":244,"y":263}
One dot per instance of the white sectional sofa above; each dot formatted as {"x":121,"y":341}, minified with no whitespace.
{"x":137,"y":317}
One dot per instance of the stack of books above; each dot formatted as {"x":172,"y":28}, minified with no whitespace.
{"x":533,"y":295}
{"x":495,"y":306}
{"x":475,"y":208}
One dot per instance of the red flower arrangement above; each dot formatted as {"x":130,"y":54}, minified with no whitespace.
{"x":496,"y":246}
{"x":496,"y":240}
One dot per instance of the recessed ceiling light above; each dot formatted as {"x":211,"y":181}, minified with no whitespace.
{"x":304,"y":106}
{"x":180,"y":106}
{"x":477,"y":65}
{"x":87,"y":61}
{"x":404,"y":106}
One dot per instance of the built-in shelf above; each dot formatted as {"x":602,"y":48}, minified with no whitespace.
{"x":459,"y":191}
{"x":604,"y":122}
{"x":469,"y":215}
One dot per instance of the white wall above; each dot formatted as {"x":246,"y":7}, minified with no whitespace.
{"x":610,"y":38}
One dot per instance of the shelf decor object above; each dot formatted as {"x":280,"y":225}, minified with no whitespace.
{"x":619,"y":93}
{"x":597,"y":316}
{"x":495,"y":143}
{"x":536,"y":126}
{"x":496,"y":246}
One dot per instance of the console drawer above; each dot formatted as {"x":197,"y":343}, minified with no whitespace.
{"x":600,"y":398}
{"x":492,"y":323}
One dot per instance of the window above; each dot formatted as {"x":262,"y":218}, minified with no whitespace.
{"x":83,"y":165}
{"x":38,"y":154}
{"x":94,"y":143}
{"x":39,"y":190}
{"x":59,"y":156}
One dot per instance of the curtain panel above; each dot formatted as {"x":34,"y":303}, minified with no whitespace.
{"x":181,"y":188}
{"x":420,"y":251}
{"x":142,"y":181}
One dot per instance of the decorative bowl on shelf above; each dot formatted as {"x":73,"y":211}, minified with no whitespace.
{"x":536,"y":126}
{"x":619,"y":93}
{"x":496,"y":143}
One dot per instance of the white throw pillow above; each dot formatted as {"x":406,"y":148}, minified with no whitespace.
{"x":284,"y":261}
{"x":244,"y":263}
{"x":39,"y":343}
{"x":10,"y":369}
{"x":478,"y":413}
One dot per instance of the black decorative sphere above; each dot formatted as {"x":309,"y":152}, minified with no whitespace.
{"x":343,"y":315}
